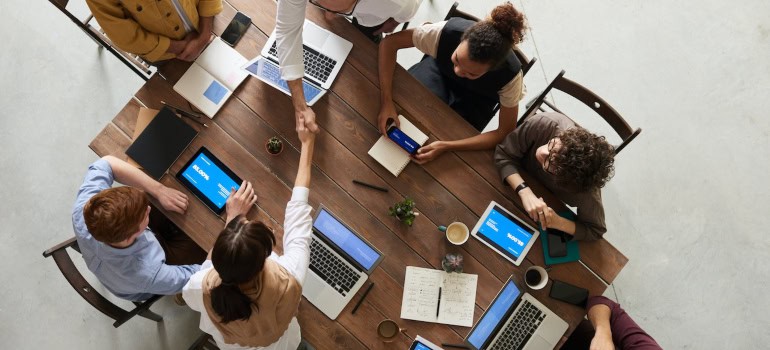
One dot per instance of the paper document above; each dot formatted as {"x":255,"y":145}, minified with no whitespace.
{"x":421,"y":296}
{"x":391,"y":155}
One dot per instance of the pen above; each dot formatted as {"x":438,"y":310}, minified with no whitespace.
{"x":438,"y":305}
{"x":378,"y":188}
{"x":184,"y":113}
{"x":366,"y":292}
{"x":459,"y":346}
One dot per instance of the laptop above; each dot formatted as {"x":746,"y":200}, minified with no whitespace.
{"x":340,"y":262}
{"x":516,"y":321}
{"x":505,"y":233}
{"x":323,"y":51}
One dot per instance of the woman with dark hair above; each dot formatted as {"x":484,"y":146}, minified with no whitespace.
{"x":570,"y":161}
{"x":248,"y":295}
{"x":469,"y":65}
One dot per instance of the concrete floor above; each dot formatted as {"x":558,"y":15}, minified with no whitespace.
{"x":688,"y":204}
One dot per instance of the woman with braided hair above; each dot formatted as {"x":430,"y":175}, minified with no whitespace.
{"x":469,"y":65}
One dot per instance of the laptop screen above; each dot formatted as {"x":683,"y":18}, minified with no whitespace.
{"x":269,"y":71}
{"x":345,"y":239}
{"x":494,"y":315}
{"x":505,"y":232}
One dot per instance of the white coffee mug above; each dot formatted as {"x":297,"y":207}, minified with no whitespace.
{"x":457,"y":233}
{"x":536,"y":277}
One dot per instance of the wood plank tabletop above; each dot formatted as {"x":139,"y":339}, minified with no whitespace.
{"x":454,"y":187}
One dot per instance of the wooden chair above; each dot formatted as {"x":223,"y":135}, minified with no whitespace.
{"x":587,"y":97}
{"x":136,"y":63}
{"x":73,"y":276}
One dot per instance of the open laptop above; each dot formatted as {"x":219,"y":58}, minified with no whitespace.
{"x":516,"y":321}
{"x":340,"y":262}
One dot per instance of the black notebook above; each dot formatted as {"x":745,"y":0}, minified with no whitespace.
{"x":161,"y":143}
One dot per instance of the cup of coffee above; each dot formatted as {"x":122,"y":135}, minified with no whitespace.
{"x":388,"y":329}
{"x":457,"y":233}
{"x":536,"y":277}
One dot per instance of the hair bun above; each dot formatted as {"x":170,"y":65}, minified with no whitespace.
{"x":509,"y":22}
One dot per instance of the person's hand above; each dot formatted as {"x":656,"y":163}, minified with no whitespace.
{"x":532,"y":204}
{"x":387,"y":112}
{"x":306,"y":117}
{"x":176,"y":47}
{"x":194,"y":47}
{"x":240,"y":201}
{"x":171,"y":199}
{"x":304,"y":133}
{"x":602,"y":341}
{"x":387,"y":27}
{"x":429,"y":152}
{"x":549,"y":218}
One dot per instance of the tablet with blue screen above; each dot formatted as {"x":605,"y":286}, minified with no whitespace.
{"x":210,"y":180}
{"x":505,"y":233}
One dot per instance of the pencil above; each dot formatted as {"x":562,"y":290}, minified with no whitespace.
{"x":378,"y":188}
{"x":438,"y":305}
{"x":366,"y":292}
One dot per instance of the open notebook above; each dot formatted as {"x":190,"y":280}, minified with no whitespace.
{"x":212,"y":78}
{"x":436,"y":296}
{"x":391,"y":155}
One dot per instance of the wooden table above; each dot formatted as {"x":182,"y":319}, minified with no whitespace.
{"x":454,"y":187}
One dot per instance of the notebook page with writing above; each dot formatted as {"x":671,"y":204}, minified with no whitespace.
{"x":391,"y":155}
{"x":421,"y":296}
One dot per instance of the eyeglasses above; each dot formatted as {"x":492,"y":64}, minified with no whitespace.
{"x":315,"y":2}
{"x":549,"y":159}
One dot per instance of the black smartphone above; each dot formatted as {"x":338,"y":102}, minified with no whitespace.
{"x":557,"y":243}
{"x":406,"y":142}
{"x":568,"y":293}
{"x":236,"y":28}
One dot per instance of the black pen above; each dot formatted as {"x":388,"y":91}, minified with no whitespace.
{"x":184,"y":113}
{"x":459,"y":346}
{"x":438,"y":305}
{"x":378,"y":188}
{"x":366,"y":292}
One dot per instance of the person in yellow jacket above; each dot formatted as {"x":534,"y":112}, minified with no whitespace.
{"x":157,"y":30}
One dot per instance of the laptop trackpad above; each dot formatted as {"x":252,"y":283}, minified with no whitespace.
{"x":537,"y":342}
{"x":314,"y":36}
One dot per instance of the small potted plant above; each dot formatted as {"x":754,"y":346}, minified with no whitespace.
{"x":404,"y":211}
{"x":452,"y":263}
{"x":274,"y":146}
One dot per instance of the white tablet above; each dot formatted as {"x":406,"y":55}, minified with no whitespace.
{"x":506,"y":234}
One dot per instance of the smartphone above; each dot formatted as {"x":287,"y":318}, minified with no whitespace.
{"x":236,"y":28}
{"x":557,"y":243}
{"x":406,"y":142}
{"x":569,"y":294}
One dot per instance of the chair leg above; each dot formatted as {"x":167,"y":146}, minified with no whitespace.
{"x":151,"y":315}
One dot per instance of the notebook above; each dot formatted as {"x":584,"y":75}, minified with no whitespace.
{"x":161,"y":143}
{"x":212,"y":78}
{"x":432,"y":295}
{"x":573,"y":253}
{"x":391,"y":155}
{"x":145,"y":116}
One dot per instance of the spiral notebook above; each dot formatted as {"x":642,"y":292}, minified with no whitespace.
{"x":391,"y":155}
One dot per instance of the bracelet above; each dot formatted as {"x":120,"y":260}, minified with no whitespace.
{"x":520,"y":187}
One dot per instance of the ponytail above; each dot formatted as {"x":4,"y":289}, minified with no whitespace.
{"x":491,"y":40}
{"x":230,"y":303}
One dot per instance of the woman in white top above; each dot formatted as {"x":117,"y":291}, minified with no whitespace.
{"x":247,"y":295}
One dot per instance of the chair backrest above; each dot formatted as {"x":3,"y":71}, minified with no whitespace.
{"x":79,"y":283}
{"x":590,"y":99}
{"x":526,"y":63}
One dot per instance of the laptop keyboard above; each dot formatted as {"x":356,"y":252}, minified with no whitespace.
{"x":517,"y":332}
{"x":317,"y":65}
{"x":331,"y":268}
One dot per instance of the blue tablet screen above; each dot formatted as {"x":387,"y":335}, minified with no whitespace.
{"x":508,"y":234}
{"x":210,"y":180}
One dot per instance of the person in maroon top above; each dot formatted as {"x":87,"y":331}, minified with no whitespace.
{"x":612,"y":329}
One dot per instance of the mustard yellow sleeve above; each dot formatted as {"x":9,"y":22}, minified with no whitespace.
{"x":209,"y":8}
{"x":126,"y":34}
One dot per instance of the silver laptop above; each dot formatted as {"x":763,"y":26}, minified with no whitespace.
{"x":516,"y":321}
{"x":268,"y":72}
{"x":340,"y":262}
{"x":324,"y":53}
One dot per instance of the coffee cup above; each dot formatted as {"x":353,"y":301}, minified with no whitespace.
{"x":456,"y":233}
{"x":536,"y":277}
{"x":388,"y":329}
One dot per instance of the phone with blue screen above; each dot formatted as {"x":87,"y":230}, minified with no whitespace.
{"x":401,"y":139}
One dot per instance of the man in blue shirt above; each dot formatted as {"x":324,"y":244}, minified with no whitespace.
{"x":111,"y":225}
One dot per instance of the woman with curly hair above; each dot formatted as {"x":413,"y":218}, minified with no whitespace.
{"x":470,"y":66}
{"x":570,"y":161}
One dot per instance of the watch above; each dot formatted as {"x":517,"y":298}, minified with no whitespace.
{"x":520,"y":187}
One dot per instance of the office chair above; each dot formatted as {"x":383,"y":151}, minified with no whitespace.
{"x":136,"y":63}
{"x":73,"y":276}
{"x":587,"y":97}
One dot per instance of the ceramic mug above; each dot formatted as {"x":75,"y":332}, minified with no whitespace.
{"x":388,"y":329}
{"x":536,"y":277}
{"x":456,"y":233}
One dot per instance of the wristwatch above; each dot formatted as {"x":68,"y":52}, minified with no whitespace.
{"x":520,"y":187}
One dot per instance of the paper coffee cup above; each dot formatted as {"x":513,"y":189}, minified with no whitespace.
{"x":536,"y":277}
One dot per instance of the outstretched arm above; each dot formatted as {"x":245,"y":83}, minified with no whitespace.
{"x":169,"y":198}
{"x":386,"y":67}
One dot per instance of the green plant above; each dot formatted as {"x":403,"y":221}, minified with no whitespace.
{"x":404,"y":211}
{"x":274,"y":145}
{"x":452,"y":263}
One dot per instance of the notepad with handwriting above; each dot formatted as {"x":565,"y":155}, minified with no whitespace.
{"x":212,"y":78}
{"x":391,"y":155}
{"x":421,"y":296}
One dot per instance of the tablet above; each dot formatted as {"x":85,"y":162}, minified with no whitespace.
{"x":209,"y":179}
{"x":421,"y":343}
{"x":506,"y":234}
